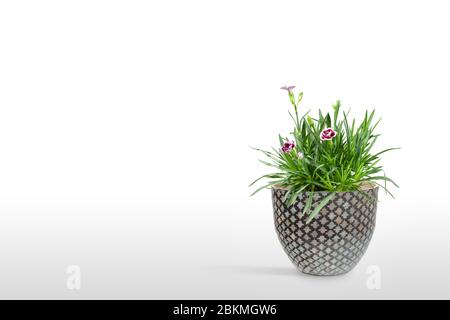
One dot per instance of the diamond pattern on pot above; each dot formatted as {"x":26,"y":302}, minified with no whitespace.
{"x":334,"y":242}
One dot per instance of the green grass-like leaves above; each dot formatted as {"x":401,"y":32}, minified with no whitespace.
{"x":344,"y":163}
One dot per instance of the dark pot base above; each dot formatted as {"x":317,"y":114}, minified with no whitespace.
{"x":335,"y":241}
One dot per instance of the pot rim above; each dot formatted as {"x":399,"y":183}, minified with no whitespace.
{"x":364,"y":187}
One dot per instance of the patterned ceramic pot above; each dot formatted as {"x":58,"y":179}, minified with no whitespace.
{"x":332,"y":243}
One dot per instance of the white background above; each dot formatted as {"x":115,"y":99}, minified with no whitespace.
{"x":124,"y":142}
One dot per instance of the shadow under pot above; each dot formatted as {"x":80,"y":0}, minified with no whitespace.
{"x":336,"y":239}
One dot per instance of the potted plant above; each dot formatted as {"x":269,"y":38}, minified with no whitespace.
{"x":325,"y":188}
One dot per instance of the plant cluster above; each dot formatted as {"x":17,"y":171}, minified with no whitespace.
{"x":328,"y":153}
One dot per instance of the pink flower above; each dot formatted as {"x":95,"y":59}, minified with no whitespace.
{"x":288,"y":88}
{"x":327,"y":134}
{"x":288,"y":146}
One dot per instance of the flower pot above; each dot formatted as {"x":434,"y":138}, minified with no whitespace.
{"x":336,"y":239}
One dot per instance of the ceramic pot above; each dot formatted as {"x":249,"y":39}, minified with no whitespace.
{"x":335,"y":241}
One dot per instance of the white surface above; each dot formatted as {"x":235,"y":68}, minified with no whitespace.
{"x":124,"y":133}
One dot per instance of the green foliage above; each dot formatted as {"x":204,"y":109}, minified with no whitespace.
{"x":343,"y":163}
